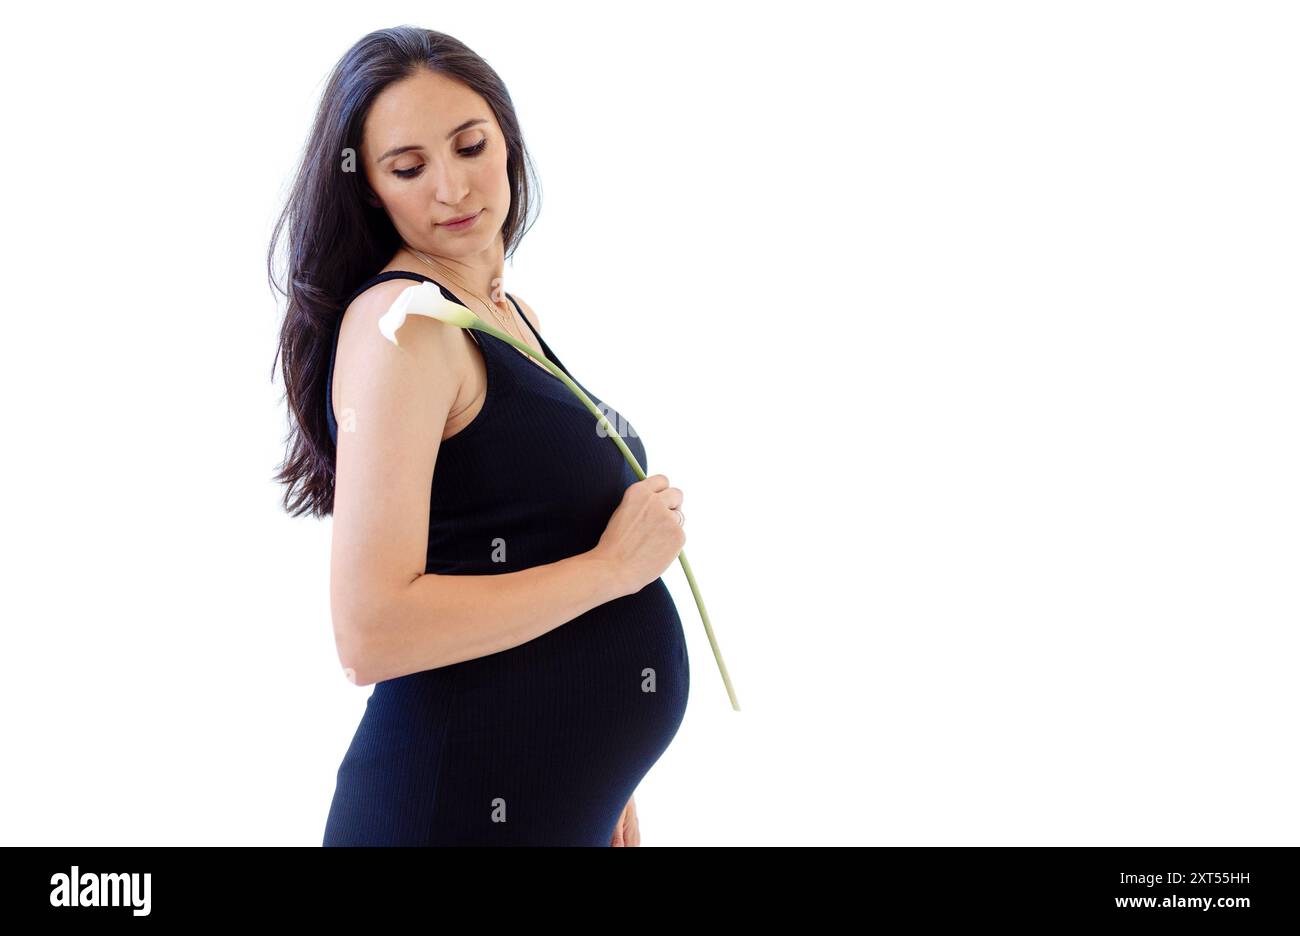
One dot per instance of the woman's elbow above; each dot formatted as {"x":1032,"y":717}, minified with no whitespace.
{"x":354,"y":651}
{"x":363,"y":625}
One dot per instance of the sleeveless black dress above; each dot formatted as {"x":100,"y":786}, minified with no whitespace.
{"x":543,"y":743}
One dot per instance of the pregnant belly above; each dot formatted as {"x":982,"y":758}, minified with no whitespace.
{"x":616,"y":677}
{"x":539,"y":744}
{"x":562,"y":729}
{"x":542,"y":743}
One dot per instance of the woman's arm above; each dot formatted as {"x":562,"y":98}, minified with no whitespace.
{"x":443,"y":619}
{"x":390,"y":618}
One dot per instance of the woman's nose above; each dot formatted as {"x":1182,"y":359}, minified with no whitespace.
{"x":449,"y":186}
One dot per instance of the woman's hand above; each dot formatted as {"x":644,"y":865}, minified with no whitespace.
{"x":627,"y":833}
{"x":644,"y":534}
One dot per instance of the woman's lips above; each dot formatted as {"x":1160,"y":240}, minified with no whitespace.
{"x":462,"y":225}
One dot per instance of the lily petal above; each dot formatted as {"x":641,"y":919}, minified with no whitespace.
{"x":424,"y":299}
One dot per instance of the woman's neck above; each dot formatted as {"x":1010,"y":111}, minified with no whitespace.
{"x":478,"y":286}
{"x":481,"y":277}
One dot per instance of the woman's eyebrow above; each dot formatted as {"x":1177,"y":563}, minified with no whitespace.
{"x":399,"y":150}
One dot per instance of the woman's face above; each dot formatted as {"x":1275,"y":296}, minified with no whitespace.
{"x":434,"y":153}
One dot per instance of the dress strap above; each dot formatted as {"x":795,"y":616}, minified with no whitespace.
{"x":385,"y":277}
{"x":540,"y":340}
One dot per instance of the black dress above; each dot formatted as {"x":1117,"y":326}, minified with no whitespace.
{"x":543,"y":743}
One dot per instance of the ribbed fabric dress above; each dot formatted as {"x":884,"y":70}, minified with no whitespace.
{"x":543,"y":743}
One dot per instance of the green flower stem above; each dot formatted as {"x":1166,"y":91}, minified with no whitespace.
{"x":482,"y":325}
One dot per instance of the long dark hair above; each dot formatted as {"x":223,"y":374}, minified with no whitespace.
{"x":337,"y":239}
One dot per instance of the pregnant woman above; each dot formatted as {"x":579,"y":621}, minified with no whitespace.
{"x":496,"y":563}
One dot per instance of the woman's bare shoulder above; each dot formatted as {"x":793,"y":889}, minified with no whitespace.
{"x":363,"y":351}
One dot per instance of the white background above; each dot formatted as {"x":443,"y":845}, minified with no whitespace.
{"x":968,"y":330}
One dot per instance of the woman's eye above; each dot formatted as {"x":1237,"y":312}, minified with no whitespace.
{"x":465,"y":151}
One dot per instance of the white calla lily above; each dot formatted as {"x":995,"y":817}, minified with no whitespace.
{"x":425,"y":299}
